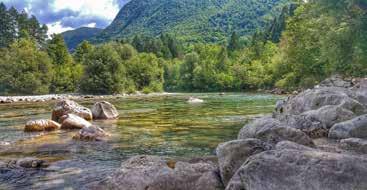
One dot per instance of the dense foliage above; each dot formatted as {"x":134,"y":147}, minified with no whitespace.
{"x":306,"y":43}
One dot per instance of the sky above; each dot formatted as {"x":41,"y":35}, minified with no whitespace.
{"x":63,"y":15}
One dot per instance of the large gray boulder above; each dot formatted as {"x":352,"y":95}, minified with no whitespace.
{"x":157,"y":173}
{"x":301,"y":170}
{"x":65,"y":107}
{"x":316,"y":123}
{"x":319,"y":97}
{"x":336,"y":81}
{"x":41,"y":125}
{"x":104,"y":110}
{"x":232,"y":154}
{"x":71,"y":121}
{"x":272,"y":131}
{"x":356,"y":127}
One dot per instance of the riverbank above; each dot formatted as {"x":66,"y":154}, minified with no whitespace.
{"x":54,"y":97}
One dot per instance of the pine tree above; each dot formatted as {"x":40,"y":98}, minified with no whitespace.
{"x":7,"y":30}
{"x":234,"y":43}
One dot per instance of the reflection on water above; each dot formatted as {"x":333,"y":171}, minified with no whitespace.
{"x":156,"y":125}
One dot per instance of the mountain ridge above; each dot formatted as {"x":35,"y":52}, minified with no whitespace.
{"x":209,"y":21}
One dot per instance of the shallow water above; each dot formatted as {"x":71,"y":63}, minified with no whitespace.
{"x":154,"y":125}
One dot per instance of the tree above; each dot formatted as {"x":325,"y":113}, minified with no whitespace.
{"x":7,"y":29}
{"x":67,"y":73}
{"x":105,"y":72}
{"x":81,"y":51}
{"x":24,"y":69}
{"x":234,"y":42}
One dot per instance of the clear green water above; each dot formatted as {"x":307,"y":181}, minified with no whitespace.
{"x":156,"y":125}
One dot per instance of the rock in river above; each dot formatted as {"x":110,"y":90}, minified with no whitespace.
{"x":27,"y":163}
{"x":104,"y":110}
{"x":157,"y":173}
{"x":91,"y":133}
{"x":232,"y":154}
{"x":41,"y":125}
{"x":65,"y":107}
{"x":301,"y":170}
{"x":71,"y":121}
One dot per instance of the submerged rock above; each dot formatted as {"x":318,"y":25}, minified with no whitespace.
{"x":301,"y":170}
{"x":356,"y":127}
{"x":71,"y":121}
{"x":91,"y":133}
{"x":41,"y":125}
{"x":65,"y":107}
{"x":27,"y":163}
{"x":104,"y":110}
{"x":157,"y":173}
{"x":232,"y":154}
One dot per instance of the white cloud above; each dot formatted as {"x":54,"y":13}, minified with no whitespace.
{"x":62,"y":15}
{"x":56,"y":28}
{"x":104,"y":8}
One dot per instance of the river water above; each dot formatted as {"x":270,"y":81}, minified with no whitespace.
{"x":153,"y":125}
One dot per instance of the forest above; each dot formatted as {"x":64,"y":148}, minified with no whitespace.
{"x":303,"y":45}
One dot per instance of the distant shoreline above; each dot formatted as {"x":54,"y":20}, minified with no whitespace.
{"x":53,"y":97}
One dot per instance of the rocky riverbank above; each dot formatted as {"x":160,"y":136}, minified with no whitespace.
{"x":315,"y":140}
{"x":55,"y":97}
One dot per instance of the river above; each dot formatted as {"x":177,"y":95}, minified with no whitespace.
{"x":154,"y":125}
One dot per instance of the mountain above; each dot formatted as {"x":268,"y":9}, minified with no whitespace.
{"x":74,"y":37}
{"x":192,"y":20}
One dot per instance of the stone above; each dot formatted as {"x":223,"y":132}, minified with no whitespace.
{"x":336,"y":81}
{"x":27,"y":163}
{"x":284,"y":145}
{"x":316,"y":123}
{"x":301,"y":170}
{"x":104,"y":110}
{"x":71,"y":121}
{"x":41,"y":125}
{"x":273,"y":131}
{"x":356,"y":127}
{"x":319,"y":97}
{"x":354,"y":144}
{"x":193,"y":100}
{"x":231,"y":155}
{"x":65,"y":107}
{"x":157,"y":173}
{"x":360,"y":90}
{"x":91,"y":133}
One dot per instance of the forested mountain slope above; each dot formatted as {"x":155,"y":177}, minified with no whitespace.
{"x":192,"y":20}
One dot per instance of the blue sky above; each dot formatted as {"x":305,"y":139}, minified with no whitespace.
{"x":62,"y":15}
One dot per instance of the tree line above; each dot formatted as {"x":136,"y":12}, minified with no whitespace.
{"x":305,"y":44}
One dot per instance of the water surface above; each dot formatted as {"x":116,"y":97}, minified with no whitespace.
{"x":155,"y":125}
